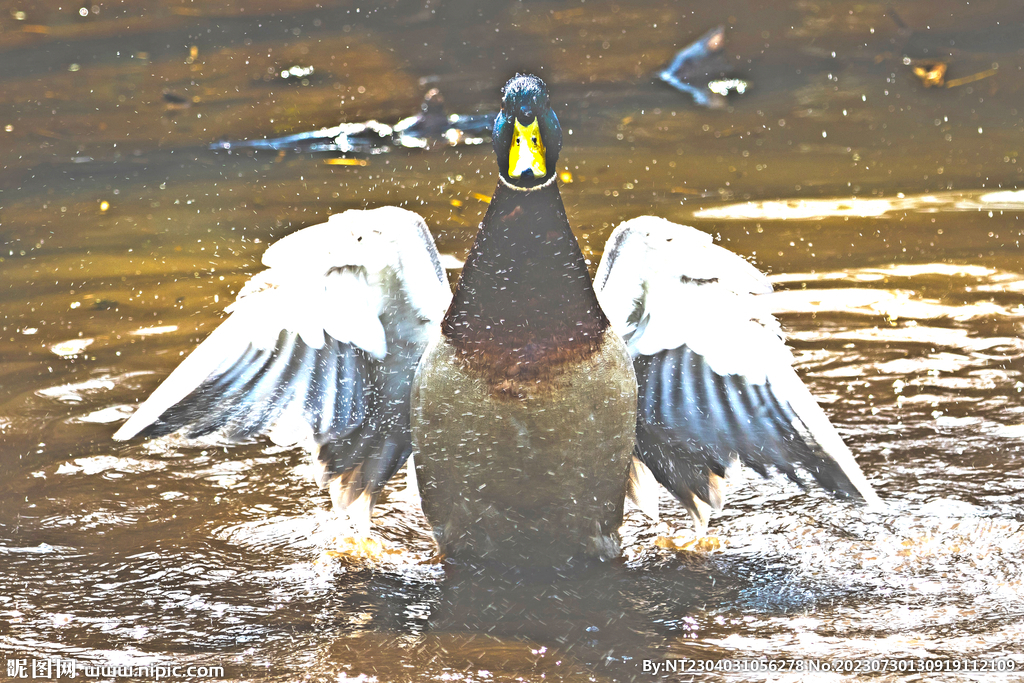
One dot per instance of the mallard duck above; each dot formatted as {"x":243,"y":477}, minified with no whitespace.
{"x":534,"y":399}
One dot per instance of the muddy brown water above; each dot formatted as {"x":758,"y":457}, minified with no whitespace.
{"x":888,"y":214}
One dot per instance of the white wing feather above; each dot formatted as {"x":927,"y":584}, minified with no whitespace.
{"x":338,"y":278}
{"x":693,"y":291}
{"x":685,"y":306}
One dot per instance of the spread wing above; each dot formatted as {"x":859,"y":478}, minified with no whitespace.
{"x":716,"y":381}
{"x":319,"y":351}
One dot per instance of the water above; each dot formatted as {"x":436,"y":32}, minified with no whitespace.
{"x":885,"y":211}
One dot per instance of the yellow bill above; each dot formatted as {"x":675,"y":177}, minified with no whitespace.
{"x":527,"y":151}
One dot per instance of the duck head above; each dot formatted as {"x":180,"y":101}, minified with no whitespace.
{"x":527,"y":137}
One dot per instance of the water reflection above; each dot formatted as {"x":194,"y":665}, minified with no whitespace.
{"x":904,"y":314}
{"x":700,"y":70}
{"x":854,"y":207}
{"x":432,"y":126}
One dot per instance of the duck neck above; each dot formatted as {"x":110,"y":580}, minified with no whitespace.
{"x":525,"y":291}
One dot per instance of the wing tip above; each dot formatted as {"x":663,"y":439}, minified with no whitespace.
{"x":849,"y":480}
{"x":868,"y":497}
{"x":145,"y":416}
{"x":128,"y":430}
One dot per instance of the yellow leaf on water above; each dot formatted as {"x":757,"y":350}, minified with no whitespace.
{"x":346,"y":162}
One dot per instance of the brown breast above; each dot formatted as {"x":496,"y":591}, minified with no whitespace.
{"x":525,"y":305}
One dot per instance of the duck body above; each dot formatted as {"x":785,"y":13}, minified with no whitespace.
{"x":536,"y":477}
{"x":524,"y":404}
{"x":533,"y":399}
